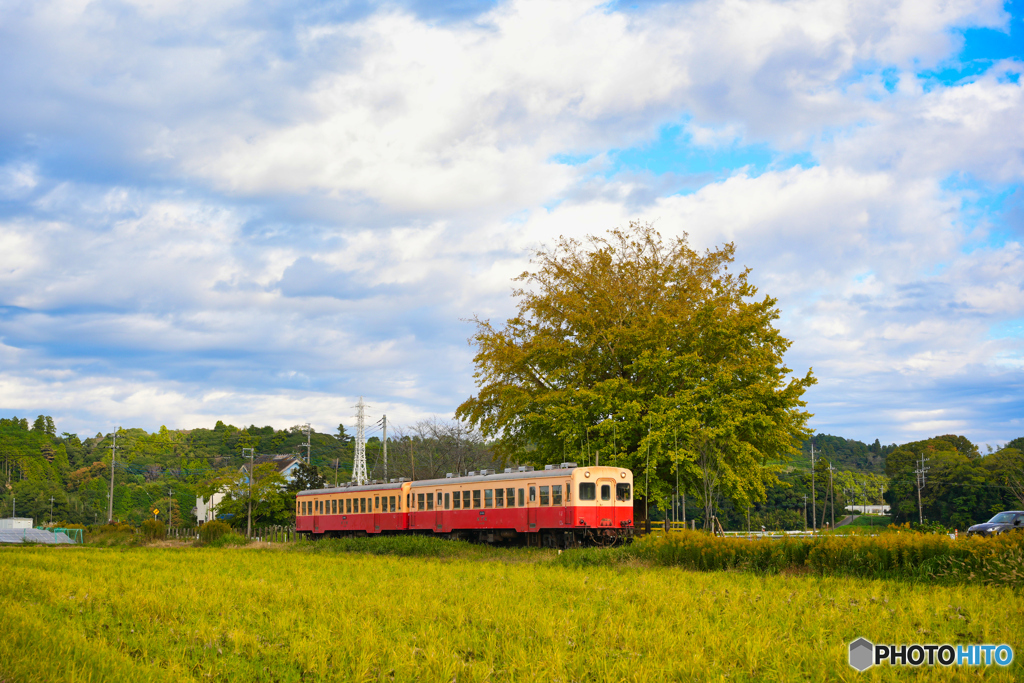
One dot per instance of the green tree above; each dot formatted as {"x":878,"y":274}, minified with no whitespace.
{"x":269,"y":498}
{"x":643,"y":354}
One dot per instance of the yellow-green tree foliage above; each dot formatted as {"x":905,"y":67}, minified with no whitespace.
{"x":646,"y":354}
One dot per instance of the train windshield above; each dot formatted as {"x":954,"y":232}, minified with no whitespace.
{"x":622,"y":492}
{"x":588,"y":490}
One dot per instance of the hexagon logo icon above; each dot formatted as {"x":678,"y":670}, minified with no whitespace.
{"x":861,"y":654}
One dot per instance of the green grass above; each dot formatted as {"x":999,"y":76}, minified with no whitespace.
{"x":879,"y":522}
{"x":322,"y":613}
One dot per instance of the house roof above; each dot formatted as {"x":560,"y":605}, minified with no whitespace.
{"x":280,"y":461}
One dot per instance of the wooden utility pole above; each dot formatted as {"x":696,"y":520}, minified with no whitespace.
{"x":110,"y":502}
{"x":832,"y":494}
{"x":920,"y":472}
{"x":814,"y":503}
{"x":248,"y":523}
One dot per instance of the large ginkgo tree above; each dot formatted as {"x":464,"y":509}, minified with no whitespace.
{"x":639,"y":352}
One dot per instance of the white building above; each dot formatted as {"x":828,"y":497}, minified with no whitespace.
{"x":869,"y":509}
{"x":285,"y":465}
{"x":16,"y":523}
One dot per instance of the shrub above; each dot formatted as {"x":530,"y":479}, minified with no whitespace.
{"x":211,"y":531}
{"x":230,"y":538}
{"x":153,"y":530}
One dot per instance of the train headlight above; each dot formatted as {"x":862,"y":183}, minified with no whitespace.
{"x":587,"y":475}
{"x":622,"y":474}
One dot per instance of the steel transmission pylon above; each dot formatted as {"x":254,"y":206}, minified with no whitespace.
{"x":359,"y":463}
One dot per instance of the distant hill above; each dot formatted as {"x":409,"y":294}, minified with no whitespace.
{"x":845,"y":454}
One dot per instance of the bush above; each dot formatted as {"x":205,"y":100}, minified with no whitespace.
{"x":153,"y":530}
{"x":230,"y":538}
{"x":211,"y":531}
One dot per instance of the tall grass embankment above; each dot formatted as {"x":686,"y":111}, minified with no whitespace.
{"x":997,"y":560}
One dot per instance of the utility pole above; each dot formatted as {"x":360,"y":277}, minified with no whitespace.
{"x":110,"y":502}
{"x":832,"y":494}
{"x":805,"y":512}
{"x":384,"y":422}
{"x":814,"y":503}
{"x":309,"y":443}
{"x":359,"y":462}
{"x":920,"y":472}
{"x":248,"y":523}
{"x":51,"y":510}
{"x":336,"y":461}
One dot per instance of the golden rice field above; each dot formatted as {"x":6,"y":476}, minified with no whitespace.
{"x":245,"y":614}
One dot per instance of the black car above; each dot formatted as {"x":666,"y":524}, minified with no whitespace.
{"x":1011,"y":520}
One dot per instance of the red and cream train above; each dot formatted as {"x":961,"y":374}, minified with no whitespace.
{"x":560,"y":506}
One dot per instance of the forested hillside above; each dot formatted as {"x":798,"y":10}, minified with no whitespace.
{"x":48,"y":474}
{"x":43,"y":471}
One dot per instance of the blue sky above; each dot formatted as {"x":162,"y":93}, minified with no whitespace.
{"x":259,"y":212}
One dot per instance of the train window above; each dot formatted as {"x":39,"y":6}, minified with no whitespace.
{"x":543,"y":495}
{"x":510,"y":496}
{"x":420,"y":504}
{"x":568,"y":493}
{"x":362,"y":504}
{"x":489,"y":498}
{"x":348,"y":506}
{"x":302,"y":507}
{"x":476,"y":498}
{"x":533,"y":494}
{"x":447,"y":500}
{"x":376,"y":502}
{"x":334,"y":506}
{"x":556,"y":495}
{"x":588,"y":490}
{"x":465,"y":500}
{"x":606,"y":492}
{"x":430,"y":501}
{"x":408,"y":501}
{"x":392,"y":500}
{"x":499,"y":498}
{"x":622,"y":492}
{"x":522,"y":498}
{"x":457,"y":500}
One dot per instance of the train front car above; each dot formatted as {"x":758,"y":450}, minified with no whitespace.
{"x":603,"y":505}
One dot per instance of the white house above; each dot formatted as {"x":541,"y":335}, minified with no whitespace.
{"x":285,"y":465}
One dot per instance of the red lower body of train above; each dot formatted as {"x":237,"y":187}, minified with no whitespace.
{"x":561,"y":527}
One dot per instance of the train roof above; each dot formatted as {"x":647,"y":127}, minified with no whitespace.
{"x":556,"y":471}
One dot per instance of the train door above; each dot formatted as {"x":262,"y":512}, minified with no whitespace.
{"x":606,"y":502}
{"x":438,"y":509}
{"x":316,"y":516}
{"x":376,"y":512}
{"x":531,"y":506}
{"x":566,"y":512}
